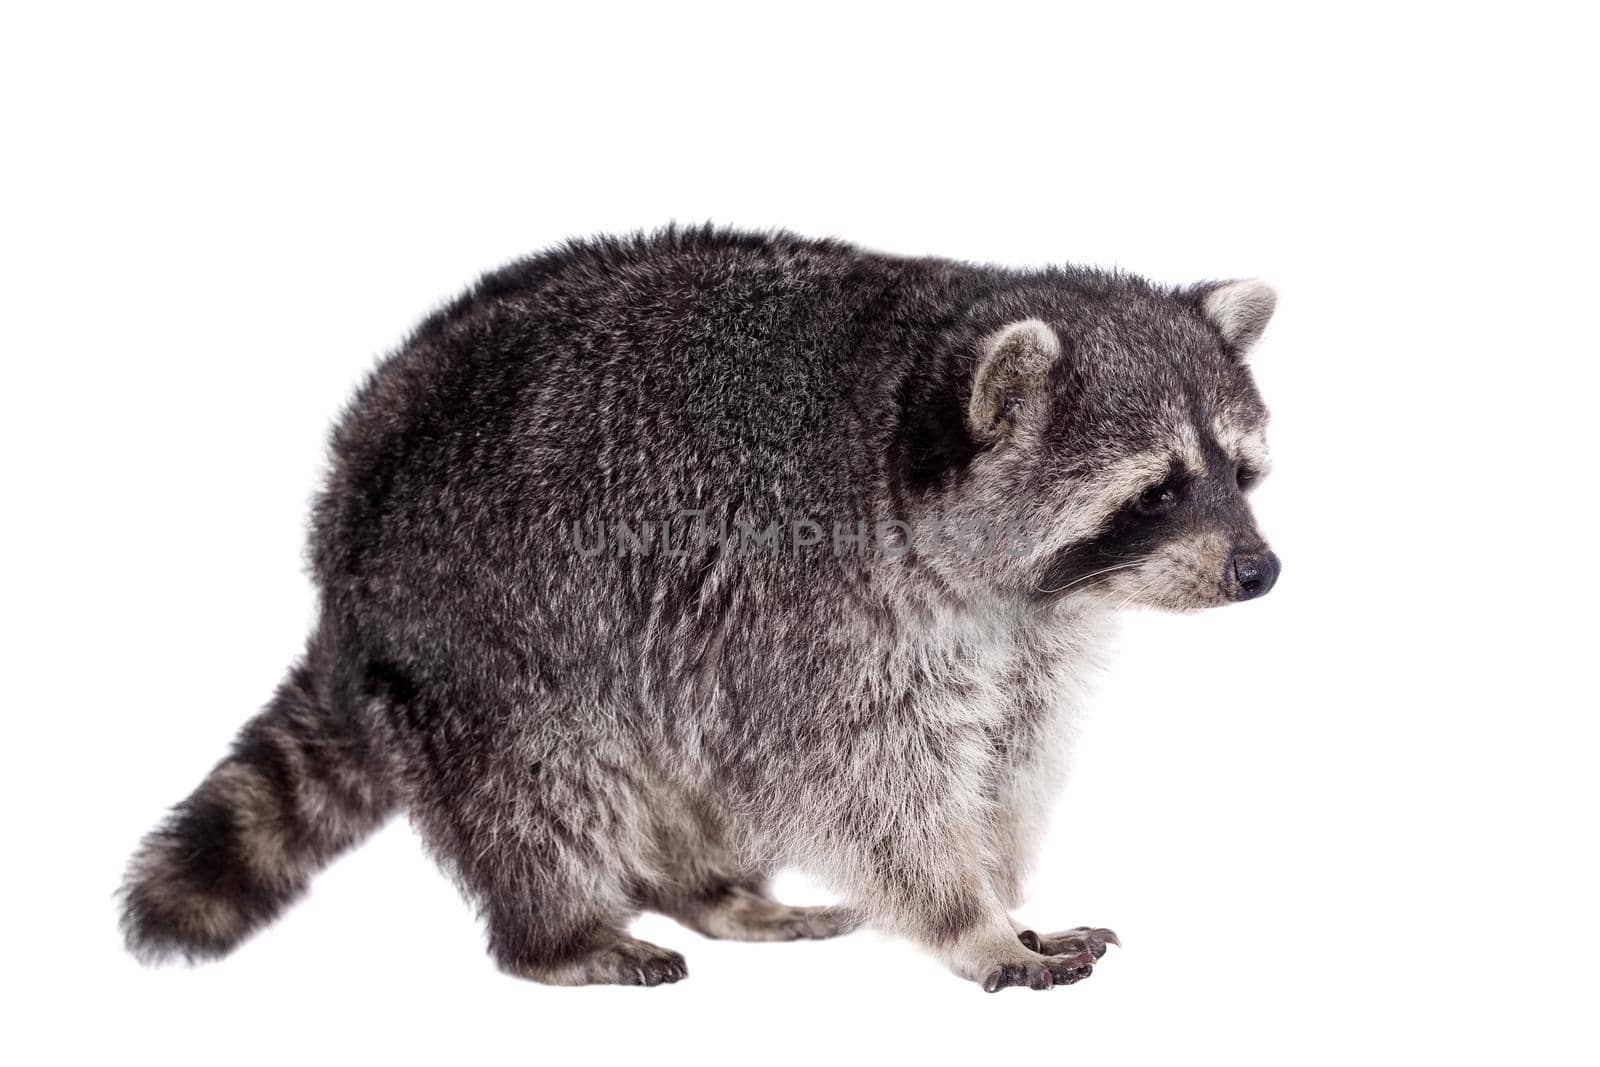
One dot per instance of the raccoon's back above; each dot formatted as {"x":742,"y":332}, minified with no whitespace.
{"x":612,"y":379}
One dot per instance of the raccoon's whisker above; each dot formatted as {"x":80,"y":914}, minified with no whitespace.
{"x":1097,"y":574}
{"x":1100,"y":573}
{"x":1144,"y":586}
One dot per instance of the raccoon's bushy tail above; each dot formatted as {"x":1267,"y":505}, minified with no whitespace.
{"x":297,"y":789}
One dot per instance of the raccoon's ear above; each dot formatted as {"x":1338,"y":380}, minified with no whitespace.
{"x":1012,"y":364}
{"x":1240,"y":311}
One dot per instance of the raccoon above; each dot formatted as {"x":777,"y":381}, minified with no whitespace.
{"x":638,"y":584}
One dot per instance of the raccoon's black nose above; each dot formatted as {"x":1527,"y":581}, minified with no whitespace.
{"x":1254,"y":573}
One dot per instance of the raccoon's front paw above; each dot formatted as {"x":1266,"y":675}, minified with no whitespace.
{"x":1052,"y":960}
{"x":1085,"y":942}
{"x":1045,"y":972}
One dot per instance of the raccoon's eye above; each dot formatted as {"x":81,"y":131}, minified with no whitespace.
{"x":1157,"y":500}
{"x":1247,"y":476}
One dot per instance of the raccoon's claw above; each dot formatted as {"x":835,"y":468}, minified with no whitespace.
{"x":1079,"y":941}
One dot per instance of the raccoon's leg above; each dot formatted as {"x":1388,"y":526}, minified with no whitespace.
{"x":1014,"y":836}
{"x":1007,"y":852}
{"x":1035,"y":747}
{"x":702,"y":882}
{"x":933,"y":888}
{"x":918,"y":864}
{"x":918,"y":846}
{"x":742,"y":911}
{"x":1012,"y":832}
{"x":548,"y":847}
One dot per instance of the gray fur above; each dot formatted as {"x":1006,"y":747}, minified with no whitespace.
{"x":581,"y":734}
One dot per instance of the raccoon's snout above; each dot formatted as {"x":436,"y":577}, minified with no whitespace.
{"x":1254,"y":574}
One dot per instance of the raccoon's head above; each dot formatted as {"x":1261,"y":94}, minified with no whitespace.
{"x":1120,"y":433}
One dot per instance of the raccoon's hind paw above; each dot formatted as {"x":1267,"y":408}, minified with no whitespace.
{"x":1085,"y":942}
{"x":627,"y":961}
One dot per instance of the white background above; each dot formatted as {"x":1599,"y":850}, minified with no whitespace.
{"x":1352,"y":821}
